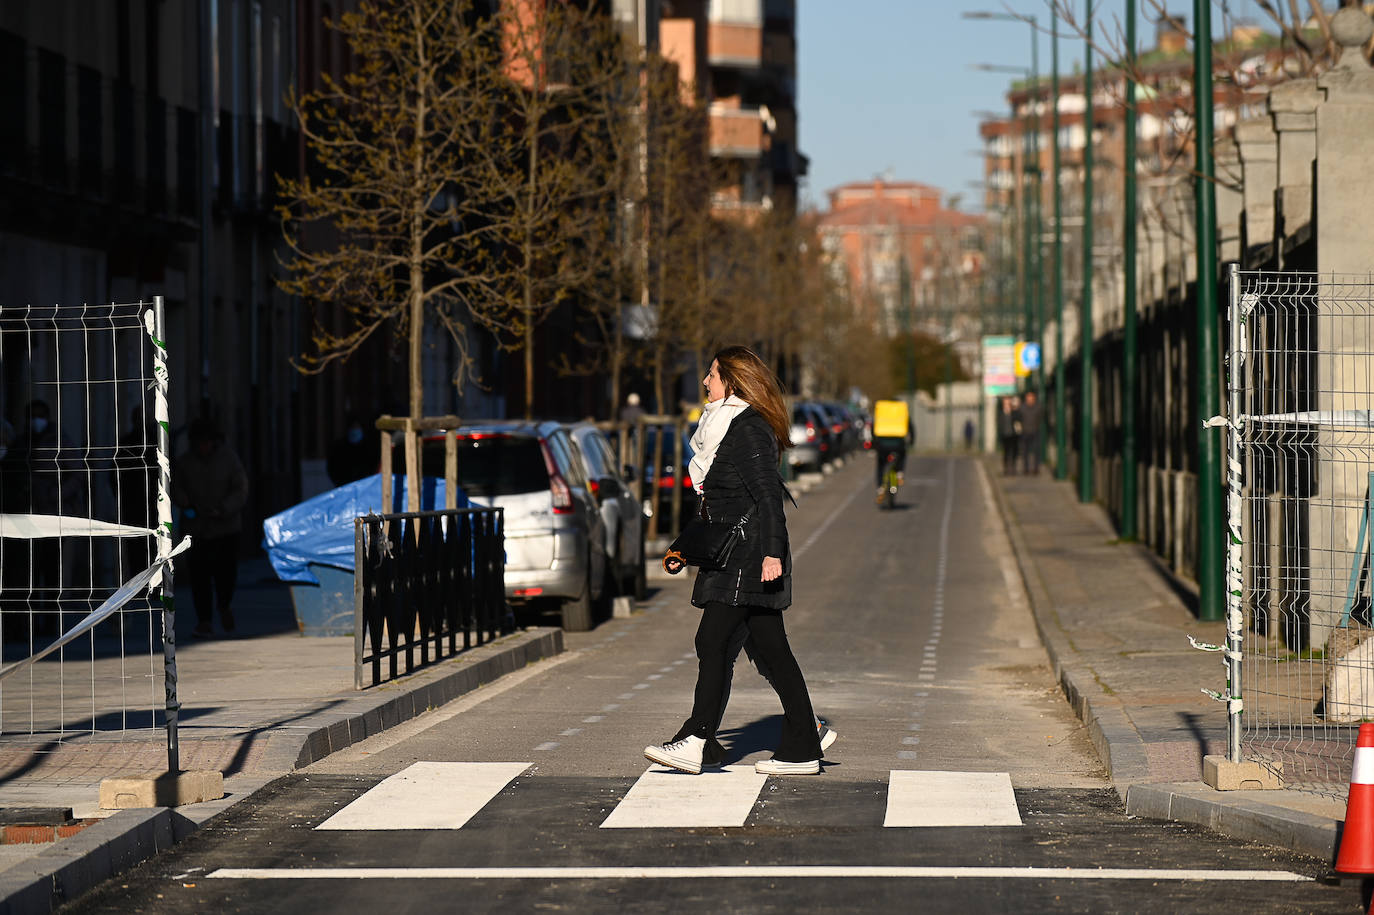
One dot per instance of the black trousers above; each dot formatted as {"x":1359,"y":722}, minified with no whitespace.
{"x":1030,"y":452}
{"x":1011,"y":447}
{"x":214,"y":573}
{"x":799,"y":741}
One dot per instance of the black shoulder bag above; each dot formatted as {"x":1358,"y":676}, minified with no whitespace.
{"x":705,"y":544}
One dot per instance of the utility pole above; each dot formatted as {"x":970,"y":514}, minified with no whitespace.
{"x":1211,"y":605}
{"x":1061,"y":435}
{"x":1085,"y":347}
{"x":1129,"y":362}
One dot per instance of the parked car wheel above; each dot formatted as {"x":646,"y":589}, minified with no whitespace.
{"x":577,"y":613}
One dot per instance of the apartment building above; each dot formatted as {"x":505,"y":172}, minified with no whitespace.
{"x":906,"y":258}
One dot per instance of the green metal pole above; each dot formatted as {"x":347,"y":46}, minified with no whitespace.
{"x":1027,"y":258}
{"x":1038,"y":322}
{"x":1211,"y":605}
{"x":1061,"y":435}
{"x":1085,"y":346}
{"x":1129,"y":362}
{"x":949,"y":383}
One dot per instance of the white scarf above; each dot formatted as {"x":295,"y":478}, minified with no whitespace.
{"x":715,"y":420}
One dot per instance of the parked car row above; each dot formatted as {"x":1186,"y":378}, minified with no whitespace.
{"x":573,"y":527}
{"x":823,"y":431}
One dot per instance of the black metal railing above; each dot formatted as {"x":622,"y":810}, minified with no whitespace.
{"x":427,"y":585}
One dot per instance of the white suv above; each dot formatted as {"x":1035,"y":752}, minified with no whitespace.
{"x":555,"y":536}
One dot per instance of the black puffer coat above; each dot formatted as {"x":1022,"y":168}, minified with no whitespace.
{"x":744,"y":475}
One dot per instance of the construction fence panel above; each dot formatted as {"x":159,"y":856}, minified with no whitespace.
{"x":85,"y":524}
{"x":1301,"y":373}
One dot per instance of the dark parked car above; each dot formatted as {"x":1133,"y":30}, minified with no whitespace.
{"x":621,"y":512}
{"x":667,"y":476}
{"x":846,"y":435}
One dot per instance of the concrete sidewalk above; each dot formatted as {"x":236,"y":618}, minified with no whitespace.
{"x":254,"y":707}
{"x":1116,"y":627}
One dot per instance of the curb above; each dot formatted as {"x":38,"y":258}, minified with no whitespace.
{"x":1122,"y":749}
{"x":1241,"y":817}
{"x":72,"y":867}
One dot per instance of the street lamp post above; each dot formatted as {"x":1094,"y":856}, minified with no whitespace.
{"x":1061,"y":452}
{"x":1034,"y":303}
{"x":1211,"y":604}
{"x":1128,"y":329}
{"x":1085,"y":346}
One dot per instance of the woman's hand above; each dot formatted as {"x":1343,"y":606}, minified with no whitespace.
{"x":772,"y":568}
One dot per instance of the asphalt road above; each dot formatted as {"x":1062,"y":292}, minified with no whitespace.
{"x":961,"y":780}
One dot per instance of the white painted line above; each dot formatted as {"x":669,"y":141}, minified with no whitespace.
{"x":907,"y":754}
{"x":593,"y":719}
{"x":427,"y":795}
{"x":570,"y":732}
{"x":815,"y":535}
{"x":664,"y":798}
{"x":755,"y":872}
{"x":547,"y":745}
{"x":918,"y":798}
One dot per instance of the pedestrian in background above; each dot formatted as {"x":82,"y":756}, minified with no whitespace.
{"x":632,"y":412}
{"x":1031,"y":415}
{"x":1009,"y":434}
{"x":352,"y":456}
{"x":743,"y":427}
{"x":211,"y":488}
{"x":43,"y":473}
{"x":970,"y":430}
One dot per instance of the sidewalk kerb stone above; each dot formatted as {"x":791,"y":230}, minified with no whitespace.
{"x":1236,"y":814}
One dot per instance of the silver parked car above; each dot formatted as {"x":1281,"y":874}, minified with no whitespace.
{"x":621,"y":513}
{"x":555,"y":536}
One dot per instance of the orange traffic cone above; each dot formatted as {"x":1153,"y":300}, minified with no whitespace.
{"x":1357,"y":840}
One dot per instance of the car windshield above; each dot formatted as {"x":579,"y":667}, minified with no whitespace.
{"x":488,"y":466}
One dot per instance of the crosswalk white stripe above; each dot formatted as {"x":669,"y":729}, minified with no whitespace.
{"x":667,"y":798}
{"x":764,"y":872}
{"x":427,"y":795}
{"x":921,"y":798}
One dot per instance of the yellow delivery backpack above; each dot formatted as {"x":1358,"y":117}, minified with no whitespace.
{"x":890,"y":419}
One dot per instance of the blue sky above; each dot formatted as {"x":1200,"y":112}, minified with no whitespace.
{"x":886,"y":84}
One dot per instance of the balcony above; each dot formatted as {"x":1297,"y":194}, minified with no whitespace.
{"x":737,"y":132}
{"x":730,"y":44}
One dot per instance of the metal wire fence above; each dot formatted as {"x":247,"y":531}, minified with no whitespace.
{"x":1300,"y":473}
{"x":83,"y":513}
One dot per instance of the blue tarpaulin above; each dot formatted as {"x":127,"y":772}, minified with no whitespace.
{"x":320,"y":530}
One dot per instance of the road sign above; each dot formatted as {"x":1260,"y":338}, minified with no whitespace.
{"x":999,"y":365}
{"x":1027,"y":358}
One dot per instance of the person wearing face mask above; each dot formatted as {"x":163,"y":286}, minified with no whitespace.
{"x":42,"y":475}
{"x":210,"y":487}
{"x":353,"y":455}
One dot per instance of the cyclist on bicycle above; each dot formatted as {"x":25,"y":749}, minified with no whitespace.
{"x":892,"y":434}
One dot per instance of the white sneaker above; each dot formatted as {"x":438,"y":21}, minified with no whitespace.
{"x":684,"y":754}
{"x":828,"y":737}
{"x":778,"y":767}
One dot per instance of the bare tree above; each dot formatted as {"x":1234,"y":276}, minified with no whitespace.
{"x":382,"y":227}
{"x":538,"y":164}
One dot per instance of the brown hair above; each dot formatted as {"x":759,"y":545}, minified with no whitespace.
{"x":746,"y":375}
